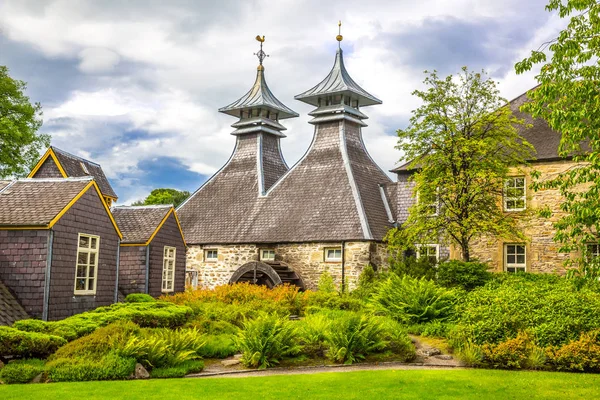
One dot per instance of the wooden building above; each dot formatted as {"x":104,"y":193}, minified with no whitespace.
{"x":152,"y":250}
{"x":59,"y":246}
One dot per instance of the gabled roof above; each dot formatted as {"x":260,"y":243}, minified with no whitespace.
{"x":10,"y":308}
{"x":72,"y":166}
{"x":40,"y":203}
{"x":139,"y":224}
{"x":259,"y":96}
{"x":338,"y":82}
{"x":544,"y":139}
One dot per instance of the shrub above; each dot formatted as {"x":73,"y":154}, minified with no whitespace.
{"x":218,"y":346}
{"x":398,"y":341}
{"x":412,"y":300}
{"x":352,"y":337}
{"x":470,"y":354}
{"x":179,"y":371}
{"x":266,"y":340}
{"x":513,"y":353}
{"x":211,"y":327}
{"x":110,"y":367}
{"x":550,"y":307}
{"x":325,"y":284}
{"x":139,"y":298}
{"x":157,"y":314}
{"x":414,"y":267}
{"x":14,"y":342}
{"x":331,"y":300}
{"x":313,"y":334}
{"x":21,"y":371}
{"x":435,"y":328}
{"x":579,"y":355}
{"x":367,"y":282}
{"x":466,"y":275}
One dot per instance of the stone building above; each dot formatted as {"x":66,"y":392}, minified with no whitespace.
{"x":59,"y":247}
{"x":258,"y":220}
{"x":539,"y":253}
{"x":152,"y":256}
{"x":57,"y":163}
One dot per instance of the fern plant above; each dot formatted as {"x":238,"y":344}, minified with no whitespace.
{"x":266,"y":340}
{"x":352,"y":337}
{"x":412,"y":300}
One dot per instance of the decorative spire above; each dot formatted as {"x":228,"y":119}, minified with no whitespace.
{"x":339,"y":37}
{"x":261,"y":54}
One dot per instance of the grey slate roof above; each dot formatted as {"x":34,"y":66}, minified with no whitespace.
{"x":259,"y":96}
{"x":35,"y":202}
{"x":138,"y":223}
{"x":72,"y":166}
{"x":10,"y":308}
{"x":544,"y":140}
{"x":338,"y":81}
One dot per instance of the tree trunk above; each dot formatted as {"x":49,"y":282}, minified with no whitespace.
{"x":466,"y":256}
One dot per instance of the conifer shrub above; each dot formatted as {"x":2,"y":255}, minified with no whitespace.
{"x":139,"y":298}
{"x":21,"y":371}
{"x":16,"y":343}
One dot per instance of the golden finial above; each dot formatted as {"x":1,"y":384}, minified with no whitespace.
{"x":261,"y":54}
{"x":339,"y":37}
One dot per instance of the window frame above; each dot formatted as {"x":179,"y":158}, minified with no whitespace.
{"x":207,"y":259}
{"x":88,"y":250}
{"x":516,"y":266}
{"x":333,"y":259}
{"x":506,"y":199}
{"x":262,"y":257}
{"x":166,"y":259}
{"x":428,"y":245}
{"x":435,"y":204}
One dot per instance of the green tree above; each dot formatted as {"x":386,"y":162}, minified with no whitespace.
{"x":20,"y":143}
{"x":568,"y":98}
{"x":462,"y":142}
{"x":164,"y":196}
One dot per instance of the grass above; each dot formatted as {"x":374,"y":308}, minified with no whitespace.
{"x":387,"y":384}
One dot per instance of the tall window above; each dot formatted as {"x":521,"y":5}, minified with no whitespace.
{"x":333,"y":254}
{"x":168,"y":275}
{"x":431,"y":251}
{"x":267,"y":255}
{"x":211,"y":255}
{"x":515,"y":257}
{"x":431,"y":206}
{"x":514,"y":194}
{"x":86,"y":270}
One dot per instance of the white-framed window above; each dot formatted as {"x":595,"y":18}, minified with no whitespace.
{"x":515,"y":194}
{"x":333,"y":254}
{"x":515,"y":257}
{"x":593,"y":251}
{"x":168,"y":273}
{"x":432,"y":208}
{"x":86,"y":269}
{"x":267,"y":255}
{"x":431,"y":251}
{"x":84,"y":168}
{"x":211,"y":255}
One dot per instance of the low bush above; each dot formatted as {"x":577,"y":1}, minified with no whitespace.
{"x":156,"y":314}
{"x":412,"y":300}
{"x":353,"y":336}
{"x":21,"y":371}
{"x":517,"y":353}
{"x":465,"y":275}
{"x":325,"y":284}
{"x":579,"y":355}
{"x":212,"y":327}
{"x":435,"y":328}
{"x":139,"y":298}
{"x":16,"y":343}
{"x":266,"y":340}
{"x":179,"y":371}
{"x":110,"y":367}
{"x":218,"y":346}
{"x":414,"y":267}
{"x":317,"y":301}
{"x":313,"y":334}
{"x":398,"y":341}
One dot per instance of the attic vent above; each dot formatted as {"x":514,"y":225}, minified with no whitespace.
{"x":84,"y":168}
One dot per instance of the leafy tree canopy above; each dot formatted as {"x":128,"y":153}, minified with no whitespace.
{"x":164,"y":196}
{"x":568,"y":98}
{"x":20,"y":143}
{"x":462,"y":142}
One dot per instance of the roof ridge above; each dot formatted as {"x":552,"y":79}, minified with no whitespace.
{"x":146,"y":207}
{"x":70,"y":179}
{"x":66,"y":153}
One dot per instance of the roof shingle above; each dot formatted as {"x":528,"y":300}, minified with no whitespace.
{"x":10,"y":308}
{"x":138,"y":223}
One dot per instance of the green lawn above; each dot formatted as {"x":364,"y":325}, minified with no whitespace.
{"x":405,"y":384}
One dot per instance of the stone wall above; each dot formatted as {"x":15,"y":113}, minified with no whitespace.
{"x":306,"y":259}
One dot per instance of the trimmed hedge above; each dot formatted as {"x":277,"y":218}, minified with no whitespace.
{"x":14,"y":342}
{"x":110,"y":367}
{"x":151,"y":315}
{"x":466,"y":275}
{"x":139,"y":298}
{"x":21,"y":371}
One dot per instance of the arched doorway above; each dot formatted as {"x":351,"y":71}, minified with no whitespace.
{"x":268,"y":274}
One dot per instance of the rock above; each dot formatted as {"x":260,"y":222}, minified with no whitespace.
{"x":443,"y":357}
{"x":230,"y":363}
{"x":140,"y":372}
{"x":237,"y":356}
{"x":38,"y":379}
{"x":429,"y":351}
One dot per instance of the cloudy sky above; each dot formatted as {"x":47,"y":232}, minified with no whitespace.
{"x":136,"y":85}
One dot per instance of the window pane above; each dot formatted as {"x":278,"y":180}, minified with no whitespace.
{"x":84,"y":241}
{"x":82,"y":258}
{"x":93,"y":259}
{"x":520,"y":249}
{"x":520,"y":182}
{"x":521,"y":259}
{"x":90,"y":284}
{"x":510,"y":259}
{"x":80,"y":284}
{"x":81,"y":271}
{"x":510,"y":249}
{"x":94,"y":244}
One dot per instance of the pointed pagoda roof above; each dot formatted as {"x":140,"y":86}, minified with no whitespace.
{"x":259,"y":96}
{"x":338,"y":82}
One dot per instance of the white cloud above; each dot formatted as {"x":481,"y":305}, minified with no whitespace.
{"x":97,"y":60}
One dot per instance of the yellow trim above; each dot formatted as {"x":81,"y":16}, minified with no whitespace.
{"x":171,"y":211}
{"x":49,"y":153}
{"x":21,"y":228}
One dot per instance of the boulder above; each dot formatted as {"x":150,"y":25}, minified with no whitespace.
{"x":141,"y":372}
{"x":230,"y":363}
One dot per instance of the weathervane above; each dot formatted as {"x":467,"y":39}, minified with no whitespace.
{"x":339,"y":37}
{"x":261,"y":54}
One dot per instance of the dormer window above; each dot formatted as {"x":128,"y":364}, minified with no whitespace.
{"x":84,"y":168}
